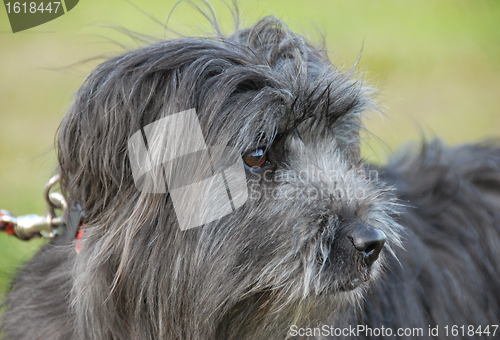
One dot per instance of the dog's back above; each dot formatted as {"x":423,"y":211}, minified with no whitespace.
{"x":444,"y":283}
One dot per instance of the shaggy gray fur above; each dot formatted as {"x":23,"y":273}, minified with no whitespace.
{"x":283,"y":258}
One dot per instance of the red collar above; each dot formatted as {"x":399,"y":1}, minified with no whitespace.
{"x":79,"y":237}
{"x":7,"y":227}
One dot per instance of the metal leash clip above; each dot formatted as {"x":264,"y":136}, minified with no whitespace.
{"x":47,"y":225}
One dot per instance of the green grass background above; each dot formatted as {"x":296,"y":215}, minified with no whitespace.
{"x":437,"y":63}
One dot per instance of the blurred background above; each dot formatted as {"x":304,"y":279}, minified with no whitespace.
{"x":436,"y":63}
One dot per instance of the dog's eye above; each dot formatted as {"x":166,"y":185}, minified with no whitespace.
{"x":255,"y":159}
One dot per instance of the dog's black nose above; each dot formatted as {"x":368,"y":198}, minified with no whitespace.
{"x":368,"y":241}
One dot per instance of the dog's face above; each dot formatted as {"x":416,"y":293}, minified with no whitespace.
{"x":306,"y":243}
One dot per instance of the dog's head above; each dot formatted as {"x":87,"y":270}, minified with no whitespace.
{"x":306,"y":242}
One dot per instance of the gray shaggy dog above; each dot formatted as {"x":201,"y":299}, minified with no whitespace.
{"x":324,"y":241}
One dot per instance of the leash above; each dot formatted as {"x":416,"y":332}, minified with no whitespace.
{"x":49,"y":225}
